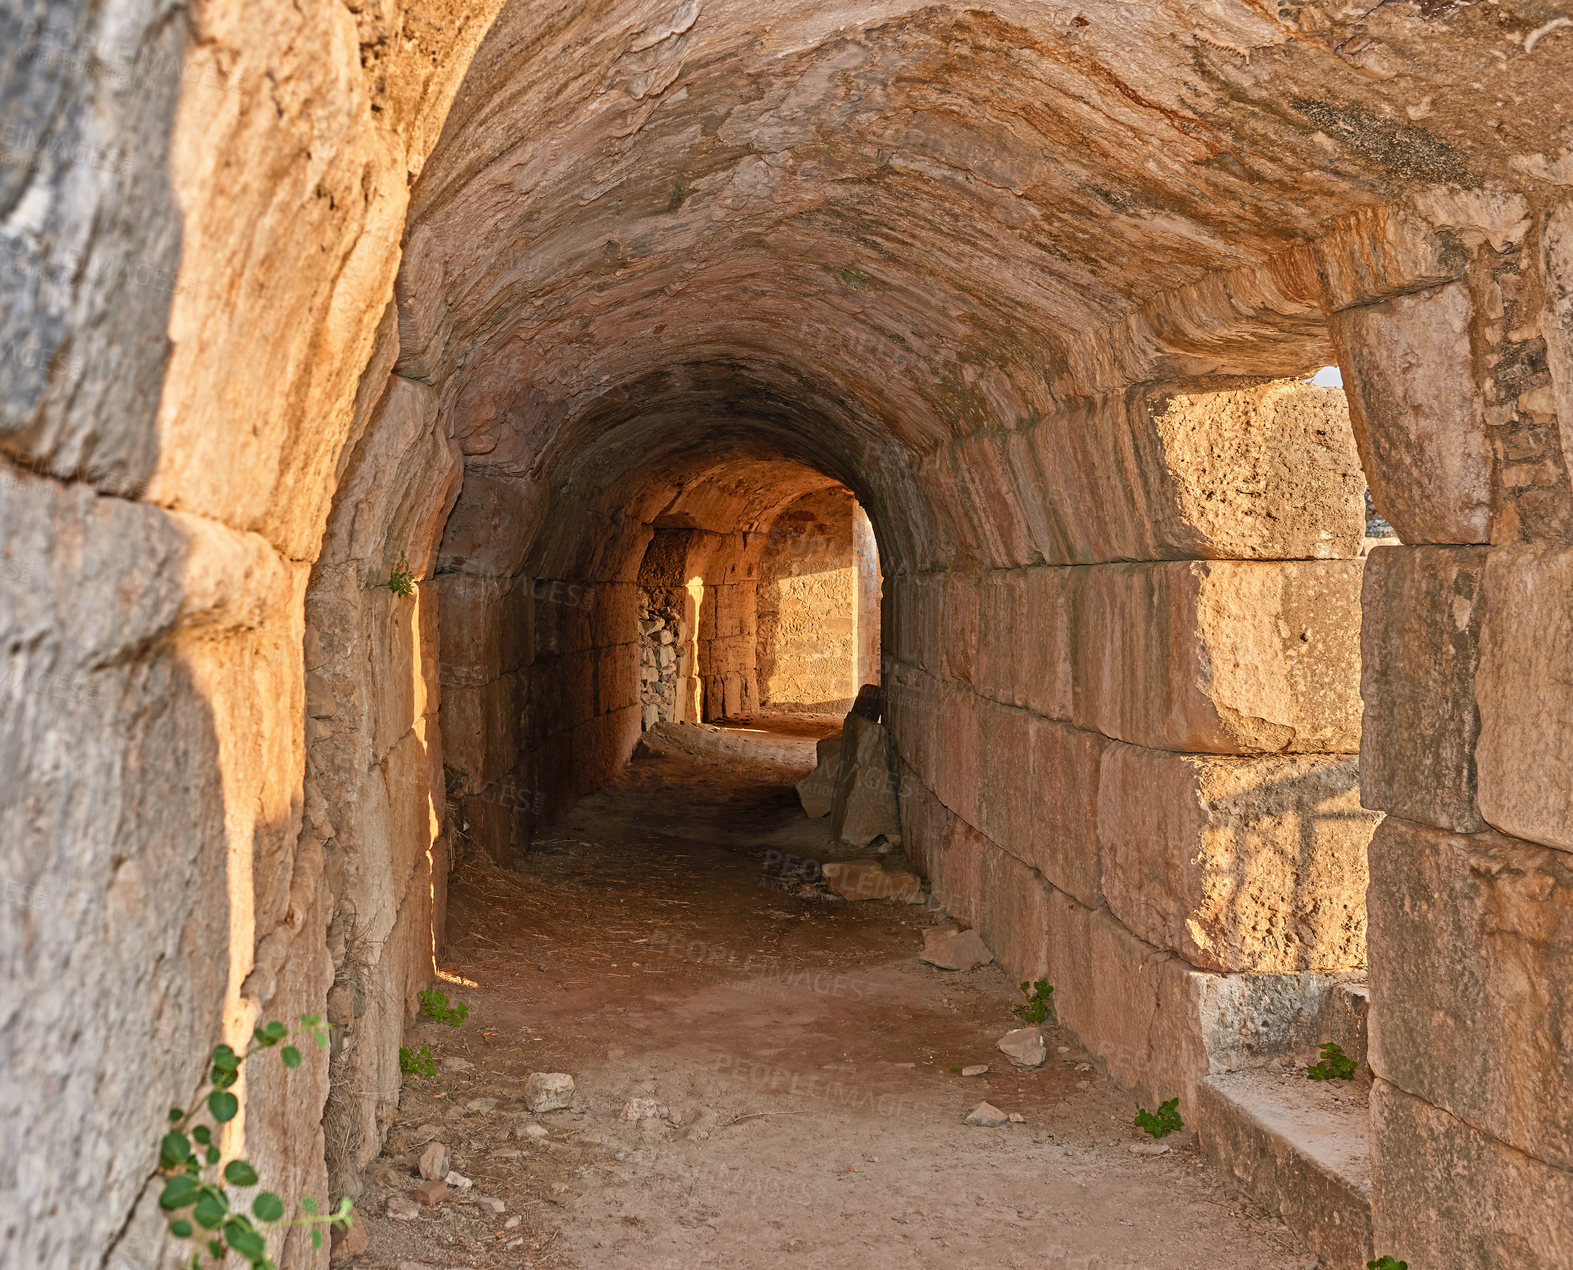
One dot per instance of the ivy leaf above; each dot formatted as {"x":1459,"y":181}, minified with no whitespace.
{"x":291,"y":1056}
{"x":179,"y":1192}
{"x":248,"y":1243}
{"x":180,"y":1229}
{"x":239,"y":1173}
{"x":212,"y":1155}
{"x":308,"y":1205}
{"x":225,"y":1058}
{"x":202,"y":1134}
{"x":224,"y":1106}
{"x":322,"y":1039}
{"x":311,"y":1020}
{"x":216,"y":1248}
{"x":273,"y":1033}
{"x":268,"y":1206}
{"x":316,"y":1236}
{"x":174,"y":1150}
{"x":211,"y":1209}
{"x":176,"y":1115}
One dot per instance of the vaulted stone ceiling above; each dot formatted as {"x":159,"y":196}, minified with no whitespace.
{"x":854,"y":232}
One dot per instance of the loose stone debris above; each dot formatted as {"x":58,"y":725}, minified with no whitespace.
{"x":952,"y":949}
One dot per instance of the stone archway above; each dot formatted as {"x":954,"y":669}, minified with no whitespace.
{"x":290,"y":281}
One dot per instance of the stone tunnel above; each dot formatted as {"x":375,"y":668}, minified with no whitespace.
{"x":1227,"y":700}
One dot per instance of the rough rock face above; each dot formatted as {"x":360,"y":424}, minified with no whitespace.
{"x":283,"y":283}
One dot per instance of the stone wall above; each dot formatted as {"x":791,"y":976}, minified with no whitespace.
{"x":1139,"y":777}
{"x":808,"y":606}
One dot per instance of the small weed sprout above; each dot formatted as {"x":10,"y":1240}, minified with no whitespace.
{"x":401,"y":581}
{"x":188,"y":1158}
{"x":1165,"y":1120}
{"x":1334,"y":1065}
{"x":434,"y":1002}
{"x":1039,"y":1005}
{"x":1386,"y":1263}
{"x":417,"y":1062}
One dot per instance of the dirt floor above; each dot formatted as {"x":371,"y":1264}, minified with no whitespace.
{"x":804,"y":1065}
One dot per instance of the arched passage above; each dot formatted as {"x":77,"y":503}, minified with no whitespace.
{"x":1015,"y":278}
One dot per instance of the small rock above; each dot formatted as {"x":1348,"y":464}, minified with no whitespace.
{"x":511,"y":1224}
{"x":431,"y":1193}
{"x":1083,"y":1084}
{"x":977,"y":1069}
{"x":871,"y":880}
{"x":642,"y":1109}
{"x":704,"y":1122}
{"x":458,"y":1181}
{"x":548,"y":1091}
{"x":401,"y":1208}
{"x":455,"y":1064}
{"x":425,"y":1133}
{"x":1149,"y":1148}
{"x":1017,"y":1118}
{"x":954,"y":949}
{"x":492,"y":1202}
{"x":347,"y":1244}
{"x":435,"y":1162}
{"x":482,"y":1105}
{"x":536,"y":1131}
{"x":1025,"y":1047}
{"x":986,"y":1116}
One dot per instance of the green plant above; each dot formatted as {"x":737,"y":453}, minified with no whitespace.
{"x":1386,"y":1263}
{"x":1039,"y":1004}
{"x":417,"y":1062}
{"x":401,"y":581}
{"x":1334,"y":1065}
{"x":188,"y":1157}
{"x":1165,"y":1120}
{"x":434,"y":1002}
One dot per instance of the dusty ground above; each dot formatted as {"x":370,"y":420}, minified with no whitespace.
{"x":809,"y":1063}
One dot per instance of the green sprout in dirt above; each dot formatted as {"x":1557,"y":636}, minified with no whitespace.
{"x":434,"y":1002}
{"x":417,"y":1062}
{"x":1334,"y":1065}
{"x":401,"y":581}
{"x":1165,"y":1120}
{"x":1039,"y":1004}
{"x":1386,"y":1263}
{"x":188,"y":1158}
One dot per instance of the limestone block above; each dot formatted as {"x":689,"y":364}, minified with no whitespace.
{"x":1014,"y":914}
{"x":956,"y":877}
{"x":480,"y":728}
{"x":1062,"y":807}
{"x":959,"y":630}
{"x":1418,"y":414}
{"x":1002,"y":624}
{"x":1266,"y":471}
{"x":1419,"y":650}
{"x":1557,"y":325}
{"x":954,"y":715}
{"x":1448,"y":1195}
{"x":1381,"y":252}
{"x":1251,"y":864}
{"x":1044,"y":634}
{"x":816,"y":791}
{"x":490,"y":526}
{"x":617,"y":677}
{"x":864,"y":802}
{"x":1007,"y":783}
{"x":1525,"y":691}
{"x":1221,"y":657}
{"x":1158,"y":1024}
{"x":871,"y":880}
{"x":1472,"y":973}
{"x":1085,"y":457}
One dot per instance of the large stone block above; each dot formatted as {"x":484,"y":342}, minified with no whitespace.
{"x":1014,"y":914}
{"x":1448,"y":1195}
{"x":1250,"y":864}
{"x":956,"y":875}
{"x":1525,"y":691}
{"x":1158,"y":1024}
{"x":956,"y":721}
{"x":1062,"y":807}
{"x":1472,"y":976}
{"x":1264,"y":470}
{"x":864,"y":806}
{"x":480,"y":728}
{"x":1044,"y":636}
{"x":1222,"y":657}
{"x":1419,"y":651}
{"x":1418,"y":414}
{"x":1002,"y":632}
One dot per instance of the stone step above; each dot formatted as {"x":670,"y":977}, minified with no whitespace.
{"x":1301,"y":1147}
